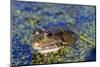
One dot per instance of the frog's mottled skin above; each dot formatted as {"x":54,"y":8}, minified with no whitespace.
{"x":50,"y":41}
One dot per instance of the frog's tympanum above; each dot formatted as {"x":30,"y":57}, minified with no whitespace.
{"x":45,"y":42}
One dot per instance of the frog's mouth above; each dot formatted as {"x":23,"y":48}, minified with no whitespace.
{"x":49,"y":49}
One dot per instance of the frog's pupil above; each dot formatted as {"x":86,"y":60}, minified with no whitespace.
{"x":49,"y":35}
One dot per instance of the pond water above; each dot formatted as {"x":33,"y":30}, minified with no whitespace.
{"x":52,"y":17}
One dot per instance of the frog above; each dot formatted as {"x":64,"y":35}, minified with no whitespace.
{"x":47,"y":41}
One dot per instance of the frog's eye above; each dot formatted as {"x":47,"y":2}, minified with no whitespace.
{"x":49,"y":34}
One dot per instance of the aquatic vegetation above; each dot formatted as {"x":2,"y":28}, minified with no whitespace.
{"x":71,"y":28}
{"x":53,"y":57}
{"x":81,"y":37}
